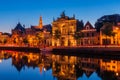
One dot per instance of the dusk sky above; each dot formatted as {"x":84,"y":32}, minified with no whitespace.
{"x":28,"y":11}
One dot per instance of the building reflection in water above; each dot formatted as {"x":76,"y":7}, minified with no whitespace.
{"x":65,"y":67}
{"x":22,"y":59}
{"x":72,"y":67}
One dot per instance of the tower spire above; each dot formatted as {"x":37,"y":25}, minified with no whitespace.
{"x":40,"y":23}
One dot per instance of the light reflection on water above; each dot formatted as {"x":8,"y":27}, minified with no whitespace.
{"x":38,"y":66}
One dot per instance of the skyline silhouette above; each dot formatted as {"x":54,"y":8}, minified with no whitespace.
{"x":28,"y":13}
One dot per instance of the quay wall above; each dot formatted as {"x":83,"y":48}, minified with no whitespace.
{"x":25,"y":49}
{"x":88,"y":50}
{"x":69,"y":50}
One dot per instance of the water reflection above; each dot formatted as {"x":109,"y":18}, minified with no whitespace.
{"x":63,"y":67}
{"x":21,"y":59}
{"x":35,"y":63}
{"x":73,"y":67}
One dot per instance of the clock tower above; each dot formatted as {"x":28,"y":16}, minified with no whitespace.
{"x":40,"y":23}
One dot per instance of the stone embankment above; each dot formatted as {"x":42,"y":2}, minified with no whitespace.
{"x":25,"y":49}
{"x":88,"y":50}
{"x":69,"y":50}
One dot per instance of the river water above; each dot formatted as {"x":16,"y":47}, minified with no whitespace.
{"x":16,"y":65}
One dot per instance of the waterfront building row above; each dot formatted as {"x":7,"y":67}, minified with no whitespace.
{"x":64,"y":31}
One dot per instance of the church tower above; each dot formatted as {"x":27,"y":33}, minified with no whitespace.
{"x":40,"y":23}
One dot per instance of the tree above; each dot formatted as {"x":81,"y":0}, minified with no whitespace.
{"x":107,"y":31}
{"x":25,"y":40}
{"x":5,"y":41}
{"x":40,"y":37}
{"x":98,"y":25}
{"x":114,"y":19}
{"x":77,"y":36}
{"x":57,"y":34}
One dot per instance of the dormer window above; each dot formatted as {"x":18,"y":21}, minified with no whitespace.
{"x":87,"y":27}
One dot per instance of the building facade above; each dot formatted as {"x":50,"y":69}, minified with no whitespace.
{"x":110,"y":39}
{"x":4,"y":38}
{"x":34,"y":36}
{"x":89,"y":35}
{"x":63,"y":30}
{"x":17,"y":34}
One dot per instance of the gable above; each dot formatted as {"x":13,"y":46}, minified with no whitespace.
{"x":88,"y":26}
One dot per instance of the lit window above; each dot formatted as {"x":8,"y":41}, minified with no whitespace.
{"x":113,"y":66}
{"x":108,"y":65}
{"x":113,"y":61}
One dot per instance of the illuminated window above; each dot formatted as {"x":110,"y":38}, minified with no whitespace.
{"x":108,"y":65}
{"x":113,"y":61}
{"x":113,"y":66}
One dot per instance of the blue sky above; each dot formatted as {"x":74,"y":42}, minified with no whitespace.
{"x":29,"y":11}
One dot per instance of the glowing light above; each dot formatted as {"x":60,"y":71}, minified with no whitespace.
{"x":117,"y":74}
{"x":44,"y":69}
{"x":116,"y":28}
{"x":73,"y":65}
{"x":0,"y":61}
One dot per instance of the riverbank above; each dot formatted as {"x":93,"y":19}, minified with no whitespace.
{"x":105,"y":51}
{"x":24,"y":49}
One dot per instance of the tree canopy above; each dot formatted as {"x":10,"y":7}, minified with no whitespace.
{"x":114,"y":19}
{"x":107,"y":29}
{"x":57,"y":34}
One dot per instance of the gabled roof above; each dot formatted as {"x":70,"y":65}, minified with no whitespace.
{"x":18,"y":66}
{"x":88,"y":24}
{"x":88,"y":73}
{"x":19,"y":27}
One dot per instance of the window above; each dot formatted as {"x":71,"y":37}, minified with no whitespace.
{"x":72,"y":24}
{"x":70,"y":31}
{"x":63,"y":31}
{"x":113,"y":61}
{"x":98,"y":38}
{"x":63,"y":26}
{"x":113,"y":66}
{"x":87,"y":34}
{"x":108,"y":65}
{"x":92,"y":34}
{"x":87,"y":27}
